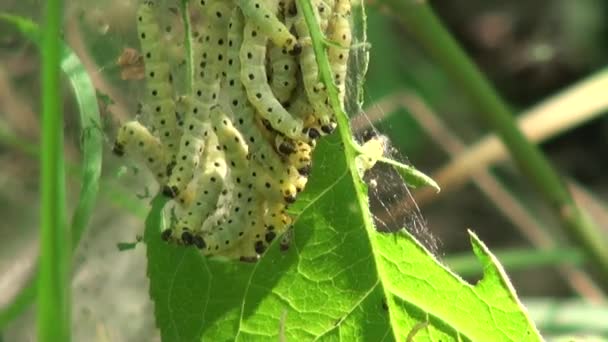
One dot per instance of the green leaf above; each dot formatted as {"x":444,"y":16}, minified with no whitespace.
{"x":92,"y":148}
{"x":410,"y":175}
{"x":331,"y":283}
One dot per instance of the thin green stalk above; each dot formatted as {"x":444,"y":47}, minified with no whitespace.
{"x":53,"y":286}
{"x":318,"y":44}
{"x":419,"y":18}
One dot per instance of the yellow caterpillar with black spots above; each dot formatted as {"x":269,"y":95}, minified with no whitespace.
{"x":231,"y":222}
{"x":159,"y":80}
{"x":209,"y":52}
{"x":255,"y":79}
{"x":243,"y":114}
{"x":134,"y":140}
{"x":284,"y":68}
{"x":263,"y":15}
{"x":340,"y":36}
{"x":208,"y":189}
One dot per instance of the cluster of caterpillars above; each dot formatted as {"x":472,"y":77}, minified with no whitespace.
{"x":237,"y":151}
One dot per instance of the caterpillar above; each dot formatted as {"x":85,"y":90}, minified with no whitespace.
{"x":283,"y":65}
{"x":263,"y":14}
{"x":299,"y":105}
{"x":275,"y":218}
{"x":251,"y":242}
{"x":284,"y":69}
{"x":260,"y":150}
{"x":158,"y":78}
{"x":254,"y":78}
{"x":242,"y":218}
{"x":298,"y":154}
{"x":210,"y":49}
{"x":135,"y":140}
{"x":251,"y":236}
{"x":340,"y":34}
{"x":226,"y":226}
{"x":208,"y":190}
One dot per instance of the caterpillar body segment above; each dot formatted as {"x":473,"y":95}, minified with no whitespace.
{"x":269,"y":222}
{"x":259,"y":93}
{"x":209,"y":53}
{"x":284,"y":73}
{"x":192,"y":144}
{"x":325,"y":9}
{"x":297,"y":154}
{"x":232,"y":142}
{"x":283,"y":65}
{"x":209,"y":189}
{"x":227,"y":226}
{"x":133,"y":139}
{"x":263,"y":14}
{"x":224,"y":231}
{"x":251,"y":243}
{"x":159,"y":80}
{"x":300,"y":107}
{"x":276,"y":218}
{"x":340,"y":34}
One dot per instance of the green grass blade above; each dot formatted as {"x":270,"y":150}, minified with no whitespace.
{"x":91,"y":139}
{"x":53,"y":310}
{"x":410,"y":175}
{"x":92,"y":147}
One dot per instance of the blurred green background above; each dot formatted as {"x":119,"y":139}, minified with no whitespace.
{"x":530,"y":50}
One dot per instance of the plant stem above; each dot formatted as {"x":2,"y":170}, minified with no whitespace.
{"x":419,"y":18}
{"x":53,"y":286}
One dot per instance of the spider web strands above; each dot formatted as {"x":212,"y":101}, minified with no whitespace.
{"x":391,"y":202}
{"x":504,"y":201}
